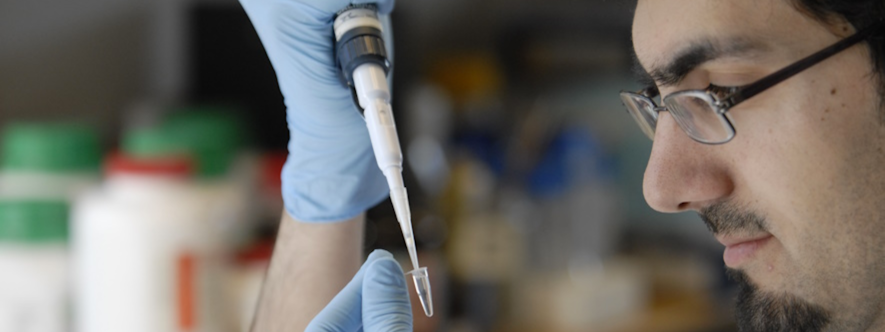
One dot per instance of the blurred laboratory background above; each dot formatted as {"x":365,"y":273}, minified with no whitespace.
{"x":141,"y":143}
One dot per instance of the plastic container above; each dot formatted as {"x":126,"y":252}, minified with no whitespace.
{"x":145,"y":257}
{"x":47,"y":161}
{"x":34,"y":264}
{"x":226,"y":174}
{"x":43,"y":167}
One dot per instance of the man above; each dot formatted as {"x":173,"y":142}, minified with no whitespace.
{"x":785,"y":167}
{"x":796,"y":194}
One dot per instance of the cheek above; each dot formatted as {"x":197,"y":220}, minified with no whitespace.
{"x":809,"y":156}
{"x":791,"y":153}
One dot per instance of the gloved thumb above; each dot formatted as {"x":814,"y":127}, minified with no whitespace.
{"x":375,"y":299}
{"x":386,"y":297}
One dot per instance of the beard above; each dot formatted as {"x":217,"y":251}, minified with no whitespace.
{"x":757,"y":310}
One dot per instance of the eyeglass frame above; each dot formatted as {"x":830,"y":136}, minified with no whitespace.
{"x":736,"y":95}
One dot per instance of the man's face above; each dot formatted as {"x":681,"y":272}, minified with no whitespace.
{"x":798,"y":196}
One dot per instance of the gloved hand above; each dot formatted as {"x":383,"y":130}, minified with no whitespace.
{"x":331,"y":173}
{"x":375,"y":300}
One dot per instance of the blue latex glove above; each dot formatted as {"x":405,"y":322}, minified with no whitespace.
{"x":375,"y":300}
{"x":331,"y":173}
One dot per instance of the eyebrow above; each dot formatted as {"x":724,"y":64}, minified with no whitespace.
{"x":639,"y":73}
{"x":695,"y":54}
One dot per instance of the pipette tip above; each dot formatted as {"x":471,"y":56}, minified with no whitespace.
{"x":422,"y":287}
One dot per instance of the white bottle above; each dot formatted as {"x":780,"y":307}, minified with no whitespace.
{"x":144,"y":257}
{"x":33,"y":266}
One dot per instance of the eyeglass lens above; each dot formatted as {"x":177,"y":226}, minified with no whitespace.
{"x":694,"y":112}
{"x":641,"y":109}
{"x":698,"y":117}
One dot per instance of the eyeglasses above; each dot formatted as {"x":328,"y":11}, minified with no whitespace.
{"x":703,"y":114}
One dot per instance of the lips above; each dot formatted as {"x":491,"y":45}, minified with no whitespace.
{"x":738,"y":250}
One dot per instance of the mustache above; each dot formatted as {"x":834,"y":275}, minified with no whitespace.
{"x":726,"y":218}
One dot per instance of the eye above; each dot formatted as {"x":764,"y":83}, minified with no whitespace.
{"x":722,"y":92}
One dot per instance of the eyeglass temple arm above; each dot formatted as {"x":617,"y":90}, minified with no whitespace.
{"x":811,"y":60}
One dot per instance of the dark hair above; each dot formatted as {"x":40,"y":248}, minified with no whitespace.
{"x":860,"y":14}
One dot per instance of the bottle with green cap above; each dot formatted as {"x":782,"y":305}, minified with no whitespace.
{"x":34,"y":261}
{"x":226,"y":172}
{"x":47,"y":160}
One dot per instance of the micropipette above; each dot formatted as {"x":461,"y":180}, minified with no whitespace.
{"x":362,"y":57}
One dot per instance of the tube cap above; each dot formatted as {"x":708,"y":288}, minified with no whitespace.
{"x":146,"y":143}
{"x":211,"y":134}
{"x":120,"y":163}
{"x":33,"y":221}
{"x":150,"y":151}
{"x":50,"y":147}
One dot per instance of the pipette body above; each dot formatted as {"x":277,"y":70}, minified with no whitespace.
{"x":361,"y":55}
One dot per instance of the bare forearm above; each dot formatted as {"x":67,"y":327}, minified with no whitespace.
{"x":311,"y":263}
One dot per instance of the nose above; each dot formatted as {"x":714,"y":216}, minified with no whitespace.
{"x":683,"y":174}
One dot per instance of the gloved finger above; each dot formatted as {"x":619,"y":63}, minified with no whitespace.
{"x":330,"y":7}
{"x":386,"y":298}
{"x":384,"y":6}
{"x":344,"y":312}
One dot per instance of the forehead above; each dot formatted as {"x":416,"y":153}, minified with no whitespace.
{"x":662,"y":27}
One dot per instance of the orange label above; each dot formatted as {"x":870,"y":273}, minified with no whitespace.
{"x":186,"y":291}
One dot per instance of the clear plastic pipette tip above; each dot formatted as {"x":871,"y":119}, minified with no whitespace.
{"x":400,"y":200}
{"x":422,"y":287}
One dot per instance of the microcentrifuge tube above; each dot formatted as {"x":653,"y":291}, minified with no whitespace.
{"x":422,"y":287}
